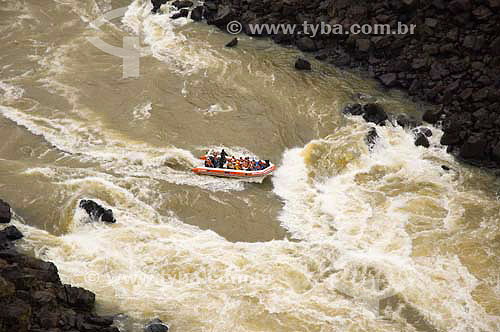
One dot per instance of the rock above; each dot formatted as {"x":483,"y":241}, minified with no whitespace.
{"x":97,"y":212}
{"x":232,"y":43}
{"x":223,"y":16}
{"x":405,"y":121}
{"x":389,"y":80}
{"x":197,"y":13}
{"x":474,"y":148}
{"x":79,"y":297}
{"x":374,"y":113}
{"x":421,"y":140}
{"x":458,"y":6}
{"x":371,"y":138}
{"x":432,"y":115}
{"x":496,"y":152}
{"x":182,"y":4}
{"x":306,"y":44}
{"x":302,"y":64}
{"x":423,"y":130}
{"x":156,"y":325}
{"x":363,"y":45}
{"x":446,"y":168}
{"x":495,"y":46}
{"x":353,"y":109}
{"x":5,"y":213}
{"x":450,"y":138}
{"x":181,"y":13}
{"x":11,"y":233}
{"x":157,"y":4}
{"x":15,"y":316}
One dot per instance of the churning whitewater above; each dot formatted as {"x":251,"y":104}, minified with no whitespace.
{"x":342,"y":238}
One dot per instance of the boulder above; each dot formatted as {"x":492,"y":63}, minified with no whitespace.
{"x":353,"y":109}
{"x":197,"y":13}
{"x":232,"y":43}
{"x":306,"y":44}
{"x":406,"y":121}
{"x":181,"y":13}
{"x":496,"y":152}
{"x":182,"y":4}
{"x":363,"y":44}
{"x":474,"y":148}
{"x":79,"y":298}
{"x":157,"y":4}
{"x":97,"y":212}
{"x":302,"y":64}
{"x":450,"y":138}
{"x":389,"y":80}
{"x":423,"y":130}
{"x":432,"y":115}
{"x":222,"y":17}
{"x":5,"y":213}
{"x":458,"y":6}
{"x":421,"y":140}
{"x":11,"y":233}
{"x":156,"y":325}
{"x":374,"y":113}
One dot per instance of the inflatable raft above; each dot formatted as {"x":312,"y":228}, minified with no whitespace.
{"x":233,"y":173}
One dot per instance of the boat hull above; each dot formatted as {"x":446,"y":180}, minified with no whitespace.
{"x":232,"y":173}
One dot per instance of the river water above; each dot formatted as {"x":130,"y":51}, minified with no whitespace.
{"x":339,"y":239}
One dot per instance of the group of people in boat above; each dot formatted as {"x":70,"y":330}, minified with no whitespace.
{"x":216,"y":160}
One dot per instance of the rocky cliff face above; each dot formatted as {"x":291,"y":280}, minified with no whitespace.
{"x":452,"y":59}
{"x":32,"y":297}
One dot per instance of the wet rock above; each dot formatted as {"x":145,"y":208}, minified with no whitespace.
{"x":222,"y":17}
{"x":182,"y":4}
{"x":156,"y":325}
{"x":389,"y":80}
{"x":458,"y":6}
{"x":5,"y":213}
{"x":421,"y":140}
{"x":181,"y":13}
{"x":496,"y":152}
{"x":371,"y":138}
{"x":474,"y":148}
{"x":405,"y":121}
{"x":97,"y":212}
{"x":423,"y":130}
{"x":306,"y":44}
{"x":432,"y":115}
{"x":80,"y":298}
{"x":157,"y":4}
{"x":32,"y":297}
{"x":450,"y":138}
{"x":374,"y":113}
{"x":197,"y":13}
{"x":353,"y":109}
{"x":232,"y":43}
{"x":363,"y":45}
{"x":11,"y":233}
{"x":302,"y":64}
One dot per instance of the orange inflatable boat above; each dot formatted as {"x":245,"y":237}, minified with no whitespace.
{"x":233,"y":173}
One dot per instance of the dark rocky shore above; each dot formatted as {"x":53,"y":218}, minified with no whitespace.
{"x":32,"y":297}
{"x":452,"y":60}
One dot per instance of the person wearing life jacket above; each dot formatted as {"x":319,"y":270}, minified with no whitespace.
{"x":223,"y":156}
